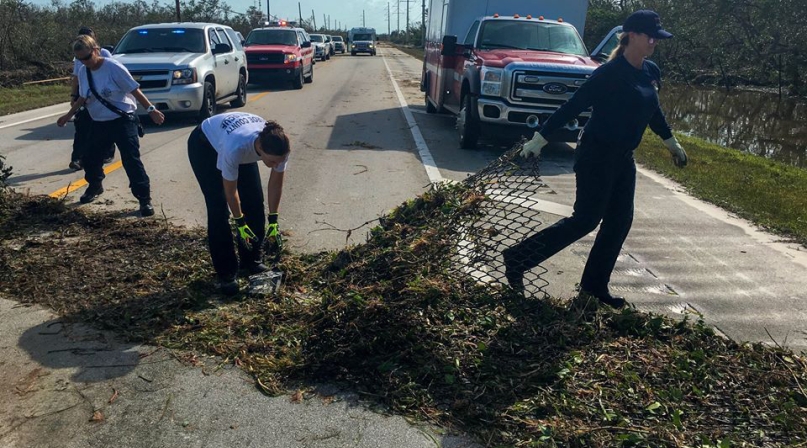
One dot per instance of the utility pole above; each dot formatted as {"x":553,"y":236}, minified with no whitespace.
{"x":389,"y":32}
{"x":300,"y":10}
{"x":363,"y":19}
{"x":314,"y":20}
{"x":423,"y":25}
{"x":407,"y":20}
{"x":179,"y":17}
{"x":325,"y":21}
{"x":399,"y":19}
{"x":268,"y":11}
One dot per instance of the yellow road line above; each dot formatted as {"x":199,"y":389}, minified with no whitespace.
{"x":73,"y":186}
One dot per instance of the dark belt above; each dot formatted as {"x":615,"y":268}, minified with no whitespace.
{"x":202,"y":136}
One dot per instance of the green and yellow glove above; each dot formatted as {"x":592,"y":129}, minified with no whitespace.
{"x":245,"y":234}
{"x":272,"y":231}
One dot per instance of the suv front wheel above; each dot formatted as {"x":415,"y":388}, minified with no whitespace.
{"x":208,"y":102}
{"x":241,"y":93}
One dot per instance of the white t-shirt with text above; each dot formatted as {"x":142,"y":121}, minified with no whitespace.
{"x":233,"y":135}
{"x":114,"y":83}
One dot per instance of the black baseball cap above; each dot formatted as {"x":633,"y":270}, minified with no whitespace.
{"x":646,"y":22}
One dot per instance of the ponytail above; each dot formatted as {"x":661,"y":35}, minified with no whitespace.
{"x":624,"y":38}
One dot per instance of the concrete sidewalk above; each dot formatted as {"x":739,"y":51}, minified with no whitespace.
{"x":72,"y":386}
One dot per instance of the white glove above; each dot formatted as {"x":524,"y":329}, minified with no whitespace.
{"x":534,"y":146}
{"x":678,"y":154}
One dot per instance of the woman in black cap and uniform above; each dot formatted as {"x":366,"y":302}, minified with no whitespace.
{"x":623,"y":93}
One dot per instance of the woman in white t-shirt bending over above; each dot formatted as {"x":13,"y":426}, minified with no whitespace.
{"x":224,"y":151}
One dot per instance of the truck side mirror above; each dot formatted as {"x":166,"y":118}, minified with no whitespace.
{"x":307,"y":44}
{"x":222,"y":48}
{"x":108,"y":48}
{"x":449,"y":47}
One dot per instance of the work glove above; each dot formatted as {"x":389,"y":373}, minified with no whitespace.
{"x":533,"y":147}
{"x":245,"y":234}
{"x":272,"y":231}
{"x":679,"y":156}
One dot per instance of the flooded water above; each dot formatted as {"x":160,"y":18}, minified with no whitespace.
{"x":754,"y":122}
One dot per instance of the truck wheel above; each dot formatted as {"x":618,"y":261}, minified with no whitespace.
{"x":298,"y":82}
{"x":241,"y":93}
{"x":467,"y":124}
{"x":429,"y":106}
{"x":208,"y":102}
{"x":353,"y":53}
{"x":310,"y":78}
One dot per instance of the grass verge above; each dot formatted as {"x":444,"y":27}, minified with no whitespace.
{"x":416,"y":52}
{"x":384,"y":318}
{"x":19,"y":99}
{"x":771,"y":194}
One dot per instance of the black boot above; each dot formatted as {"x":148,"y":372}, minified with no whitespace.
{"x":607,"y":298}
{"x":92,"y":193}
{"x":513,"y":271}
{"x":228,"y":286}
{"x":146,"y":209}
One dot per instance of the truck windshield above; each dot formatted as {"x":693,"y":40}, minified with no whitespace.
{"x":156,"y":40}
{"x":337,"y":38}
{"x":524,"y":35}
{"x":272,"y":37}
{"x":317,"y":38}
{"x":362,"y":37}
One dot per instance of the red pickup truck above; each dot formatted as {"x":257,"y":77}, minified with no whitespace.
{"x":506,"y":74}
{"x":280,"y":53}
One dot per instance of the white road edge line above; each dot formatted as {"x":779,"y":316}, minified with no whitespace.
{"x":423,"y":150}
{"x":11,"y":125}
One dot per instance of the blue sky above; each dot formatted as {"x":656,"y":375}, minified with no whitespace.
{"x":347,"y":12}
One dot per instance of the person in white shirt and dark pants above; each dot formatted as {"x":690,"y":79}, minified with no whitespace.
{"x":109,"y":92}
{"x":223,"y":152}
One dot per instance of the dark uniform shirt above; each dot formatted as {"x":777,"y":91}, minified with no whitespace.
{"x":624,"y":101}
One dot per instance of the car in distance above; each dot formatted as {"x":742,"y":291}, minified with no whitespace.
{"x":338,"y":44}
{"x":321,"y":48}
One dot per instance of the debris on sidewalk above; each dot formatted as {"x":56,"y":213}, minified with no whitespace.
{"x":405,"y":322}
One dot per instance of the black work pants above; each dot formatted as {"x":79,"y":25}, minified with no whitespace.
{"x":605,"y":193}
{"x":122,"y":132}
{"x":219,"y":232}
{"x":82,"y":139}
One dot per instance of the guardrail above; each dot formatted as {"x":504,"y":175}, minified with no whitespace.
{"x":46,"y":80}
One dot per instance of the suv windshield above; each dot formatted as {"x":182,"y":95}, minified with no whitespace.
{"x":155,"y":40}
{"x":272,"y":37}
{"x":317,"y":38}
{"x":362,"y":37}
{"x":523,"y":35}
{"x":337,"y":39}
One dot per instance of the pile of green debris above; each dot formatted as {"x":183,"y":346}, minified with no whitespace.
{"x":392,"y":318}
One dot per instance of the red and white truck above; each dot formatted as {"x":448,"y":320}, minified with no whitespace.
{"x":506,"y":65}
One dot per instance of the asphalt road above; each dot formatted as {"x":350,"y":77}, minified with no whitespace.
{"x":358,"y":153}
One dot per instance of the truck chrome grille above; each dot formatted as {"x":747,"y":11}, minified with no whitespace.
{"x":265,"y":58}
{"x":151,"y":79}
{"x":544,"y":87}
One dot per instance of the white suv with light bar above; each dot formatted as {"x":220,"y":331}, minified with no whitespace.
{"x":186,"y":67}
